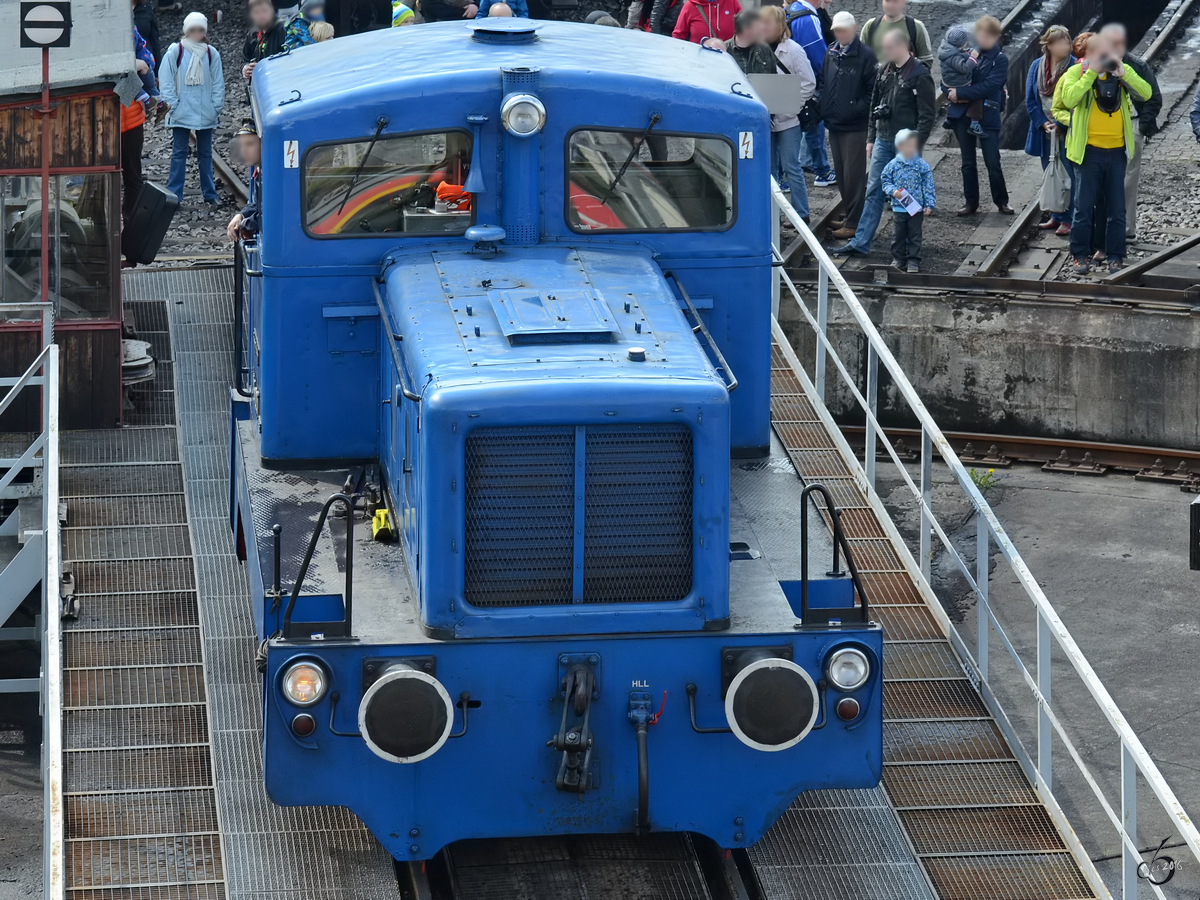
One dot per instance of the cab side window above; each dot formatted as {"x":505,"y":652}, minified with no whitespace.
{"x":398,"y":184}
{"x":618,"y":181}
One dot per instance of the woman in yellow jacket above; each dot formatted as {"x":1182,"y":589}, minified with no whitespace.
{"x":1093,"y":100}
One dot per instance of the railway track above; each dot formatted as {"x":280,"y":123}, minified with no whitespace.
{"x":226,"y":173}
{"x":1069,"y":457}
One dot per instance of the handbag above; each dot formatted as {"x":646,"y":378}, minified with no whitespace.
{"x":1055,"y":196}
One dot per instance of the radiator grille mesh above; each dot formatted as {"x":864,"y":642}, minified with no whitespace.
{"x":638,"y":514}
{"x":520,"y":514}
{"x":521,"y":528}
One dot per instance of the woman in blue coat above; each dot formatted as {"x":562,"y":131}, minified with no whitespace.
{"x":193,"y":84}
{"x":1043,"y":76}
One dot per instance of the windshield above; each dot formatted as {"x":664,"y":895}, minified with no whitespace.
{"x":673,"y":182}
{"x":411,"y":184}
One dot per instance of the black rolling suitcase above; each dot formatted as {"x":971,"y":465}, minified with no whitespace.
{"x":148,"y":223}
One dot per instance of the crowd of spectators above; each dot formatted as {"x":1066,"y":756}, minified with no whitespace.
{"x":864,"y":105}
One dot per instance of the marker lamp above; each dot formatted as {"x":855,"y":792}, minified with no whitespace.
{"x":848,"y":669}
{"x":522,"y":114}
{"x":304,"y":683}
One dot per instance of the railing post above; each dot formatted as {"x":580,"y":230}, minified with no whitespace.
{"x":1129,"y":859}
{"x":1044,"y":730}
{"x":823,"y":330}
{"x":776,"y":241}
{"x":927,"y":500}
{"x":872,"y":410}
{"x":983,"y":551}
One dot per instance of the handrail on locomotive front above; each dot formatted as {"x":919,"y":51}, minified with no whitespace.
{"x":1050,"y":627}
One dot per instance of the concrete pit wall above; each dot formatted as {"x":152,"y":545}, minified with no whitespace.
{"x":1079,"y":371}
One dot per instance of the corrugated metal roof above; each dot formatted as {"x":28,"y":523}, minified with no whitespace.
{"x":101,"y":50}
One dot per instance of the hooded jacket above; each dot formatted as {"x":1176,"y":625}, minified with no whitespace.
{"x":957,"y":65}
{"x":196,"y":107}
{"x":987,"y":84}
{"x":261,"y":44}
{"x":700,"y":19}
{"x":847,"y":78}
{"x":1073,"y":102}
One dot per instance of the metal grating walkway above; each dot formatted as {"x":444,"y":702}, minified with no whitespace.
{"x":140,"y":805}
{"x":306,"y":853}
{"x":964,"y":806}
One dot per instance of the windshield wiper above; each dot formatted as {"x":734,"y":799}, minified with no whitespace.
{"x":654,"y":118}
{"x":380,"y":124}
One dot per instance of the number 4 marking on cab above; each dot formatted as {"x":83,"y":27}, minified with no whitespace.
{"x":746,"y":145}
{"x":291,"y":154}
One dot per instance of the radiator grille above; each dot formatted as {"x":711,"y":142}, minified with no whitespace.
{"x":520,"y":515}
{"x":638,"y":514}
{"x":635,"y":523}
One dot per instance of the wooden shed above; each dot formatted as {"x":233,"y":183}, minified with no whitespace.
{"x":87,"y":83}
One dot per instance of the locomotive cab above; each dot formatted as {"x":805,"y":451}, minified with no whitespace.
{"x":511,"y":307}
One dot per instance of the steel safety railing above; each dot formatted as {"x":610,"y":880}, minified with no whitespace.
{"x":41,"y":457}
{"x":1051,"y":631}
{"x":53,"y":841}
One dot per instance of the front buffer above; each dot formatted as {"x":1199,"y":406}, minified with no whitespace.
{"x":485,"y":739}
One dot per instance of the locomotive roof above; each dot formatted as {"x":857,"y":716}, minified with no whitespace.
{"x":403,"y":63}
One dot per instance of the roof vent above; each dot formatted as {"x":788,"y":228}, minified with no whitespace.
{"x":505,"y":31}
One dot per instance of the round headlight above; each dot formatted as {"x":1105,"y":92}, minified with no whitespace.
{"x":522,"y":114}
{"x":848,"y":669}
{"x":304,"y":683}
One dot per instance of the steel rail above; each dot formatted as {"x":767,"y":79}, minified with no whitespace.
{"x":1142,"y":266}
{"x":225,"y":172}
{"x":1127,"y":296}
{"x":1186,"y":8}
{"x":1051,"y":630}
{"x":1010,"y":448}
{"x":1001,"y":254}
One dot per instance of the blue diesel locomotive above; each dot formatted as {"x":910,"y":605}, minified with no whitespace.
{"x":509,"y":275}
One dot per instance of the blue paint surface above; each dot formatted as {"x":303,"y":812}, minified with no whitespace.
{"x":532,"y":395}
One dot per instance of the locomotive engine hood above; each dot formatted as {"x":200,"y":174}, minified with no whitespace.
{"x":572,"y":437}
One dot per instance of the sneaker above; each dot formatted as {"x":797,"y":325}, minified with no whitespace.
{"x":785,"y":187}
{"x":976,"y":129}
{"x":829,"y":179}
{"x":846,"y":250}
{"x":1115,"y":265}
{"x":1080,"y":266}
{"x":914,"y":269}
{"x":160,"y":111}
{"x":898,"y":265}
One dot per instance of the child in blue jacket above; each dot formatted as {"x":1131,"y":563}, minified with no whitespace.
{"x":908,"y":179}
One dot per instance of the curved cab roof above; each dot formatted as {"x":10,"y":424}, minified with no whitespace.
{"x":404,"y":63}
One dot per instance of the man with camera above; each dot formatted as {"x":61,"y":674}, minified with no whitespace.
{"x":903,"y":97}
{"x":1098,"y":92}
{"x":1145,"y":111}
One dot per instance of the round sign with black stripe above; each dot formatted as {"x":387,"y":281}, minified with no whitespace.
{"x":45,"y":23}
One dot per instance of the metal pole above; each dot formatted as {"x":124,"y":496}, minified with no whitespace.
{"x":776,"y":277}
{"x":927,"y":498}
{"x":1129,"y":859}
{"x":983,"y":550}
{"x":1045,"y":730}
{"x":872,"y":409}
{"x":45,"y":110}
{"x":823,"y":329}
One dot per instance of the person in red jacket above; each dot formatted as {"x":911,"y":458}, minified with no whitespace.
{"x":702,"y":19}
